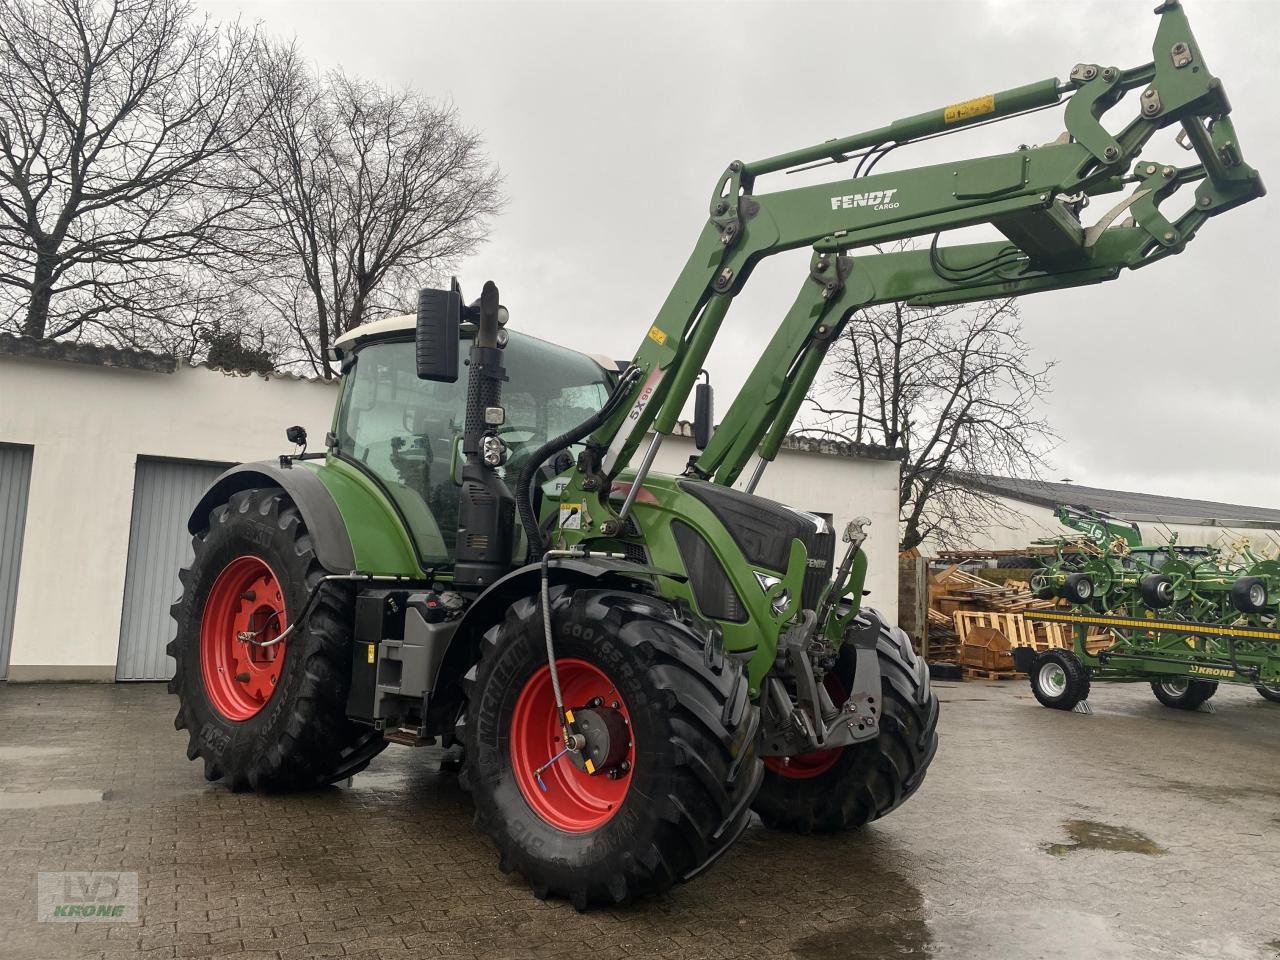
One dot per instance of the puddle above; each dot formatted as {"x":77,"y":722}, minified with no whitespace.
{"x":906,"y":937}
{"x":1091,"y":835}
{"x":16,"y":754}
{"x":380,"y":780}
{"x":1214,"y":792}
{"x":39,"y":799}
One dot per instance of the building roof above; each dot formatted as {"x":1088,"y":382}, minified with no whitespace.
{"x":821,"y":447}
{"x":1128,"y":505}
{"x":100,"y":355}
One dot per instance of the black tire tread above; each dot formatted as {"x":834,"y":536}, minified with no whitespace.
{"x":713,"y":728}
{"x":877,"y":776}
{"x":317,"y":744}
{"x":1197,"y":692}
{"x":1078,"y":681}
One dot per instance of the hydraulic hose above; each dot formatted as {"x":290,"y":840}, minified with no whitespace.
{"x":524,"y":485}
{"x":524,"y":499}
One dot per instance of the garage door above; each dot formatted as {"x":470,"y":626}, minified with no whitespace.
{"x":164,"y":493}
{"x":15,"y":481}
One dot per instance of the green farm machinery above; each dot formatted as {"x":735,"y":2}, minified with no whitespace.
{"x":1182,"y":618}
{"x":630,"y":663}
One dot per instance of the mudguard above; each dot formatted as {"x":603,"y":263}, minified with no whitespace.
{"x":491,"y":606}
{"x":319,"y":512}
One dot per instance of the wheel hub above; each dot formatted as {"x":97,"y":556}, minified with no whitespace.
{"x":246,"y":600}
{"x":556,"y":782}
{"x":608,"y":740}
{"x":1053,"y":679}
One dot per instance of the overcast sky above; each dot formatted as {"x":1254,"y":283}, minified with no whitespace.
{"x":612,"y":120}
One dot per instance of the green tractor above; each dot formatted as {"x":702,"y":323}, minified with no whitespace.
{"x":632,"y":663}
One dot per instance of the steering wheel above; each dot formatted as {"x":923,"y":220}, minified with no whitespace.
{"x":512,"y":428}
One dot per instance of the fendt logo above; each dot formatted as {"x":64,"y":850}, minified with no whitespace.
{"x":875,"y":199}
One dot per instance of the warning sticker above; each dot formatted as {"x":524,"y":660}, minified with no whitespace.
{"x":570,"y":516}
{"x":968,"y":109}
{"x":657,"y":336}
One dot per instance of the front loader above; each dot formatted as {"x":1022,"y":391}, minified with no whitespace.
{"x":632,"y":662}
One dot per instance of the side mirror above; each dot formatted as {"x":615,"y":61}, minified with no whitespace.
{"x":704,"y":414}
{"x":436,"y":341}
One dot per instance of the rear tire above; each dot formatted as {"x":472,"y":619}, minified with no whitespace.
{"x":1271,"y":692}
{"x":1181,"y":694}
{"x":296,"y":736}
{"x":853,"y":785}
{"x":692,"y":727}
{"x":1059,"y":680}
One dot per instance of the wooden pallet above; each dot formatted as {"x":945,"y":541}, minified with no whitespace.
{"x":973,"y":673}
{"x":1013,"y":626}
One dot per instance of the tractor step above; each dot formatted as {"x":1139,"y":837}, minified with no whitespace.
{"x":408,"y":736}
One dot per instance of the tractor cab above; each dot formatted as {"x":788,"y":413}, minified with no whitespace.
{"x":406,"y":433}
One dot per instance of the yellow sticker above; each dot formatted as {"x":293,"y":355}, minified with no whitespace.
{"x":570,"y":516}
{"x":372,"y":648}
{"x":968,"y":109}
{"x":568,"y":715}
{"x":591,"y":767}
{"x":657,"y":336}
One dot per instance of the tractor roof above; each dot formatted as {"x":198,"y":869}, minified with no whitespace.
{"x":369,"y":331}
{"x":405,"y":323}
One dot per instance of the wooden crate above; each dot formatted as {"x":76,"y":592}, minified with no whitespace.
{"x":986,"y":648}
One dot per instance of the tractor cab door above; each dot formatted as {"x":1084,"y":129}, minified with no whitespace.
{"x":405,"y":432}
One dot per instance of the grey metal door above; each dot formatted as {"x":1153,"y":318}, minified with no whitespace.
{"x":164,"y":493}
{"x":15,"y":483}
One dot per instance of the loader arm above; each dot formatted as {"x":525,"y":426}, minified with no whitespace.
{"x":1032,"y":195}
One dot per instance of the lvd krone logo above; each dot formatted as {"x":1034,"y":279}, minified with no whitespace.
{"x":89,"y":895}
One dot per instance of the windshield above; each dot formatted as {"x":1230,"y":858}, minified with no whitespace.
{"x":403,"y":430}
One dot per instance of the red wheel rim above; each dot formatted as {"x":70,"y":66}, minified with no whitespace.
{"x":239,"y":677}
{"x":574,"y":801}
{"x":805,"y":766}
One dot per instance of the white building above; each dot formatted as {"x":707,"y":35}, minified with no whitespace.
{"x":104,"y":452}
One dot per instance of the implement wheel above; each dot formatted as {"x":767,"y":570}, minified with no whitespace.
{"x":1059,"y":680}
{"x":671,"y":740}
{"x":1183,"y":694}
{"x":1269,"y":691}
{"x":844,"y":788}
{"x":264,"y":717}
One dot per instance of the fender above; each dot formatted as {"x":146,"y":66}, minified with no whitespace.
{"x":490,"y":607}
{"x":319,"y":512}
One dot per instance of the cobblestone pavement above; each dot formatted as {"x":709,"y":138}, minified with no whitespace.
{"x":1136,"y":832}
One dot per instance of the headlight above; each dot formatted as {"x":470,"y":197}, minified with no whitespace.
{"x":767,"y":583}
{"x":492,"y":451}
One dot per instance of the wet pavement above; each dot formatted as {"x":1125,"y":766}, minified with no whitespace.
{"x":1138,"y":832}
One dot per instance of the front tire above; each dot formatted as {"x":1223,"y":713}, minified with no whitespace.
{"x":264,"y":718}
{"x":1183,"y":694}
{"x":1059,"y":680}
{"x":675,"y":794}
{"x":844,"y":788}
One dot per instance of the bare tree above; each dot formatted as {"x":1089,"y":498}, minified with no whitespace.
{"x":954,"y":388}
{"x":367,"y":190}
{"x":117,"y":121}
